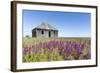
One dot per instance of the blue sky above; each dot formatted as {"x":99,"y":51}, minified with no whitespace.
{"x":69,"y":24}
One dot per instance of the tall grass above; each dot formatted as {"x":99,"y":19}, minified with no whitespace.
{"x":55,"y":49}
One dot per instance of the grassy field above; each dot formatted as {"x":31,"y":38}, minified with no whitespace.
{"x":55,"y":49}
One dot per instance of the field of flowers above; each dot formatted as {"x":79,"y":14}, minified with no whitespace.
{"x":59,"y":49}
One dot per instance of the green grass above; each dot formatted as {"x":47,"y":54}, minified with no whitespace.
{"x":31,"y":40}
{"x":54,"y":55}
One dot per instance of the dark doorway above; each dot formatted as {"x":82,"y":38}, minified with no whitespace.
{"x":42,"y":32}
{"x":49,"y":34}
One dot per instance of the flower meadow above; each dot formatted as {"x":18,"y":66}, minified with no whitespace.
{"x":41,"y":50}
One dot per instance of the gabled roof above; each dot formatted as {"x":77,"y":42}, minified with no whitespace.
{"x":45,"y":25}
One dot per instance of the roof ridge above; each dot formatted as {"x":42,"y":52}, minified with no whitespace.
{"x":45,"y":25}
